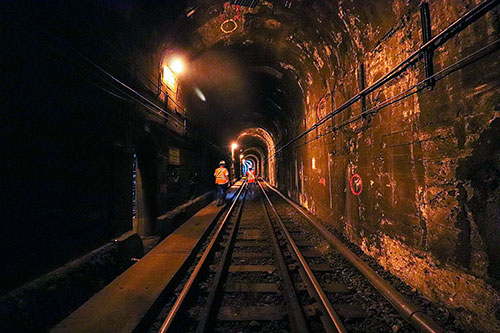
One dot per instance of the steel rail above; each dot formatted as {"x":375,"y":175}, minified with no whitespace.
{"x":208,"y":309}
{"x":332,"y":314}
{"x":297,"y":320}
{"x":412,"y":313}
{"x":187,"y":287}
{"x":453,"y":29}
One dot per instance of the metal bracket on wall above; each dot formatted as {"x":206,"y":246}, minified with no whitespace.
{"x":428,"y":54}
{"x":332,"y":101}
{"x":435,"y":42}
{"x":362,"y":86}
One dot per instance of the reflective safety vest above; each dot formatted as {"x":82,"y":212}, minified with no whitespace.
{"x":221,"y":176}
{"x":251,"y":176}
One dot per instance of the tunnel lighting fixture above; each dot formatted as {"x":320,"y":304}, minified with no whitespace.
{"x":313,"y":163}
{"x":234,"y":145}
{"x":241,"y":156}
{"x":177,"y":65}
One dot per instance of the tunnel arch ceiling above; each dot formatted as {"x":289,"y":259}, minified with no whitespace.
{"x":274,"y":55}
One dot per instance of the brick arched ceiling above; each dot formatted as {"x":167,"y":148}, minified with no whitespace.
{"x":254,"y":65}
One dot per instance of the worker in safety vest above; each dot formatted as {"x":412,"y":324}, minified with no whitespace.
{"x":251,"y":180}
{"x":221,"y":180}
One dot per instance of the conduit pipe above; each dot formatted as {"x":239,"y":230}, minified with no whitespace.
{"x":412,"y":313}
{"x":453,"y":29}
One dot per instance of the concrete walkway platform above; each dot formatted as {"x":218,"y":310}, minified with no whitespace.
{"x":123,"y":304}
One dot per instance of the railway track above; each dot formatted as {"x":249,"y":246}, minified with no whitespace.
{"x":260,"y":270}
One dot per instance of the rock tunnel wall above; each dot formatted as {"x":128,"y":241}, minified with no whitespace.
{"x":428,"y":209}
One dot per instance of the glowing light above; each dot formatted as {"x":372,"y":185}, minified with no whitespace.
{"x":177,"y":66}
{"x":234,"y":145}
{"x":200,"y":94}
{"x":313,"y":163}
{"x":169,"y":78}
{"x":241,"y":156}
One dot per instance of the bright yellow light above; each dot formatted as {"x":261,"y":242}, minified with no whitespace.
{"x":241,"y":156}
{"x":169,"y":78}
{"x":177,"y":66}
{"x":313,"y":163}
{"x":234,"y":145}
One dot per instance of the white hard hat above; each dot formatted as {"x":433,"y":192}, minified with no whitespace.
{"x":222,"y":163}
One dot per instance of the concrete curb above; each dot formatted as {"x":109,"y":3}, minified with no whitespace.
{"x":43,"y":302}
{"x":168,"y":222}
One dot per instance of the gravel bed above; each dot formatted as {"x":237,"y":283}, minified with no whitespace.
{"x":253,"y":261}
{"x":346,"y":272}
{"x":281,"y":326}
{"x":252,"y":299}
{"x":438,"y":313}
{"x":382,"y":317}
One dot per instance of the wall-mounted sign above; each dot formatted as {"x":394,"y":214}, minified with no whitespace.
{"x":229,"y":18}
{"x":356,"y":184}
{"x":174,"y":156}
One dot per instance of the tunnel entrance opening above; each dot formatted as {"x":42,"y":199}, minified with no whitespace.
{"x":254,"y":162}
{"x":259,"y":142}
{"x":246,"y":164}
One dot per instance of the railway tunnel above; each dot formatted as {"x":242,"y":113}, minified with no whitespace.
{"x":379,"y":120}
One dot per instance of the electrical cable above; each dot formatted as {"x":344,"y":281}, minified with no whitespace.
{"x":435,"y":42}
{"x":119,"y":55}
{"x":408,"y":92}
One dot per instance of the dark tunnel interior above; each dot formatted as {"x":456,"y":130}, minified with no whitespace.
{"x":103,"y":136}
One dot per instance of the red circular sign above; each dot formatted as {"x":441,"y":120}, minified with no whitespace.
{"x":356,"y":184}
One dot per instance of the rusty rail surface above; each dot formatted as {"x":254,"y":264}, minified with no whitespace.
{"x":180,"y":301}
{"x":297,"y":319}
{"x":332,"y":314}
